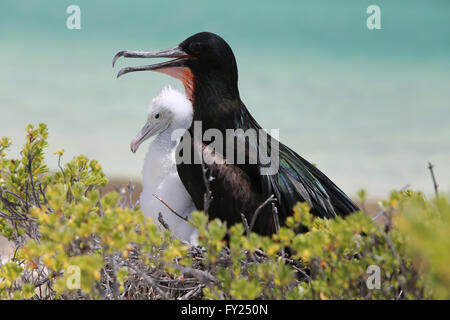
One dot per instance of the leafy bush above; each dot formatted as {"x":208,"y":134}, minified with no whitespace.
{"x":71,"y":242}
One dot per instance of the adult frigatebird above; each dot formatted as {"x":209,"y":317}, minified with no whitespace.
{"x":207,"y":68}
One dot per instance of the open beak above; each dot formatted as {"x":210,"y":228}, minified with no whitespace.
{"x":175,"y":52}
{"x":146,"y":132}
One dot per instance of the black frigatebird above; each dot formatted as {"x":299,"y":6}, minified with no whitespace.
{"x":206,"y":65}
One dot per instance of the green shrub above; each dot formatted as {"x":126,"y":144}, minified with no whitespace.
{"x":426,"y":228}
{"x":71,"y":242}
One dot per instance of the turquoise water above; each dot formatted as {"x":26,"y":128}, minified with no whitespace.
{"x":370,"y":108}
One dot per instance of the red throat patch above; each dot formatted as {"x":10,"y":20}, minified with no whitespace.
{"x":185,"y":75}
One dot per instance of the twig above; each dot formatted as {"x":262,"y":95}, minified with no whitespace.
{"x":404,"y":188}
{"x":275,"y":218}
{"x":130,"y":193}
{"x":163,"y":223}
{"x":192,"y":293}
{"x":379,"y":214}
{"x":383,"y":212}
{"x":277,"y":224}
{"x":430,"y":167}
{"x":62,"y":170}
{"x":200,"y":275}
{"x":258,"y":210}
{"x":11,"y":217}
{"x":42,"y":282}
{"x":303,"y":273}
{"x":115,"y":288}
{"x":45,"y":198}
{"x":149,"y":280}
{"x":173,"y":211}
{"x":207,"y":197}
{"x":244,"y":221}
{"x":33,"y":188}
{"x":15,"y":195}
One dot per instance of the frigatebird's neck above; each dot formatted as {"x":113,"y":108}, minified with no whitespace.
{"x":215,"y":101}
{"x":217,"y":111}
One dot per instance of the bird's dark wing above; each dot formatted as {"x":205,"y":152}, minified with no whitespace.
{"x":297,"y":180}
{"x":233,"y":190}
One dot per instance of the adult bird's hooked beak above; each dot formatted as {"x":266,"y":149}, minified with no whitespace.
{"x":176,"y":68}
{"x":175,"y":52}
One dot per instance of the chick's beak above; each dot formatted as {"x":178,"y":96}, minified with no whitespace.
{"x":146,"y":132}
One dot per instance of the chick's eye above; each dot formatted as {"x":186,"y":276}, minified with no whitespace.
{"x":157,"y":116}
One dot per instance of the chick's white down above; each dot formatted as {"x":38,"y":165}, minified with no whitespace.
{"x":171,"y":114}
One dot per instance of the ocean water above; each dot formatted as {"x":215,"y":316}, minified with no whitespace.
{"x":369,"y":107}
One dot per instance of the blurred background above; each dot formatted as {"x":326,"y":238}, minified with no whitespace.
{"x":369,"y":107}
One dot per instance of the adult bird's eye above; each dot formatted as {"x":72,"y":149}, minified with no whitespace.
{"x":157,"y":116}
{"x":195,"y":47}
